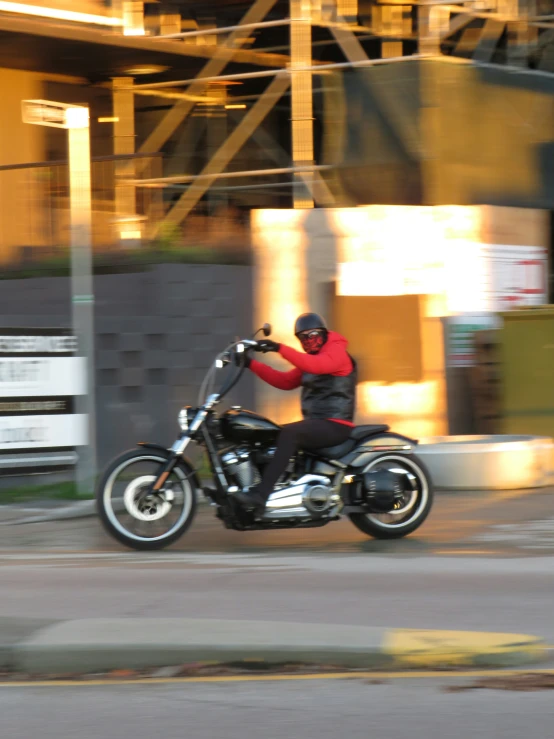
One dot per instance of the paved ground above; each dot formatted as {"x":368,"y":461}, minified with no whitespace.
{"x":453,"y":593}
{"x":482,"y":562}
{"x":323,"y":709}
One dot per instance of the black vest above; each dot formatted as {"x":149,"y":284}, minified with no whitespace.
{"x":329,"y":396}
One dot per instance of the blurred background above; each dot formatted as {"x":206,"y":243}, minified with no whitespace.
{"x":388,"y":164}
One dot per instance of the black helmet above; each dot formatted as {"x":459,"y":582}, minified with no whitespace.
{"x":308,"y":321}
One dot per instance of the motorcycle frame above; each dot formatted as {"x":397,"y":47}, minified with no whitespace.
{"x":350,"y":465}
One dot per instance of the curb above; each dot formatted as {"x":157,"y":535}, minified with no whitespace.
{"x":95,"y":645}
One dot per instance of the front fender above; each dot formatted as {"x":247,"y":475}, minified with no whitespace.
{"x":181,"y":461}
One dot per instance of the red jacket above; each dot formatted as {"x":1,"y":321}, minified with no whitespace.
{"x":332,"y":359}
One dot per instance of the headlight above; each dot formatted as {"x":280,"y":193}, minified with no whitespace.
{"x":186,"y":415}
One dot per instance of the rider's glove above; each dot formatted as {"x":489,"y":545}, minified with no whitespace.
{"x":266,"y":345}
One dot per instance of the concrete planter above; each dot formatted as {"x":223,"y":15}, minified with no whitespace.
{"x":489,"y":462}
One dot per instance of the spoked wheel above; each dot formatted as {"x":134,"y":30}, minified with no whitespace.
{"x":136,"y":517}
{"x":411,"y":510}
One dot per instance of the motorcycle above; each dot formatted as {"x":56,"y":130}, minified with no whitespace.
{"x":147,"y":497}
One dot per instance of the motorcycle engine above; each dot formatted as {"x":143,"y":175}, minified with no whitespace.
{"x":309,"y":498}
{"x":239,"y":466}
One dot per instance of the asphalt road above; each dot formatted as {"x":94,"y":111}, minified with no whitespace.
{"x":481,"y":562}
{"x":323,"y":709}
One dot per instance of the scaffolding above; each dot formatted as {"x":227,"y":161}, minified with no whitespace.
{"x":472,"y":30}
{"x":280,"y":48}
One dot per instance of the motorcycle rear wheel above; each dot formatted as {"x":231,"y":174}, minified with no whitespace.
{"x":397,"y":524}
{"x":138,"y":528}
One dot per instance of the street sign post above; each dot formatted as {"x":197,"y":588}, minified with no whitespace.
{"x":76,"y":120}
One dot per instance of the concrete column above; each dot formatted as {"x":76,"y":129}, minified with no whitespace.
{"x":133,"y":17}
{"x":124,"y":143}
{"x":301,"y":95}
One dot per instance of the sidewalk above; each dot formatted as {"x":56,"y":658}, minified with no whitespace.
{"x":39,"y":511}
{"x":47,"y":510}
{"x":34,"y":646}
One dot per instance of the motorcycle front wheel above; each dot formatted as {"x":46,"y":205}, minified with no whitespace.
{"x":139,"y":519}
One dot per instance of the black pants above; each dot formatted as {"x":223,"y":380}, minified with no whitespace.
{"x":309,"y":434}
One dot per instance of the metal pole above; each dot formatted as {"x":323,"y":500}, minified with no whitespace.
{"x":82,"y":297}
{"x":226,"y":29}
{"x":175,"y":179}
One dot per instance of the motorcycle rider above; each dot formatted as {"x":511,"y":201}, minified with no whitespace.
{"x":327,"y":375}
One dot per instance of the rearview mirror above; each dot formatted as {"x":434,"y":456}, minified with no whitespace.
{"x":266,"y":329}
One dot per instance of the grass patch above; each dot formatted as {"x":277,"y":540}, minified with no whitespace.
{"x":67,"y":490}
{"x":52,"y":491}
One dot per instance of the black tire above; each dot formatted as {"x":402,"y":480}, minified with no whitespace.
{"x":366,"y":522}
{"x":107,"y":515}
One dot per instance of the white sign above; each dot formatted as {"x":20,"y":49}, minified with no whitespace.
{"x":42,"y":376}
{"x":518,"y":276}
{"x":472,"y":277}
{"x":36,"y":432}
{"x":54,"y":115}
{"x":37,"y":344}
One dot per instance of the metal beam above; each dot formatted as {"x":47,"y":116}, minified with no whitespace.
{"x":189,"y":139}
{"x":319,"y":68}
{"x":227,"y":151}
{"x":320,"y":190}
{"x":405,"y":129}
{"x":456,"y":24}
{"x":205,"y":80}
{"x":271,"y":147}
{"x":225,"y":29}
{"x":180,"y":179}
{"x":222,"y":55}
{"x":490,"y":36}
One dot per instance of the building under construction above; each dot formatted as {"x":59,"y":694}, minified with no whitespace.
{"x":390,"y":164}
{"x":226,"y":106}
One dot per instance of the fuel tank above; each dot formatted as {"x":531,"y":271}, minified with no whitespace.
{"x":240,"y":425}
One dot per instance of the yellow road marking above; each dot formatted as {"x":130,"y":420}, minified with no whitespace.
{"x":464,"y":551}
{"x":406,"y":675}
{"x":428,"y":647}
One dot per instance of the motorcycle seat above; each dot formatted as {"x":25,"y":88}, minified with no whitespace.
{"x":358,"y":434}
{"x":335,"y":452}
{"x":362,"y":432}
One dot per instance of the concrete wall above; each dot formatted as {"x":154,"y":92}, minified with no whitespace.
{"x":156,"y":334}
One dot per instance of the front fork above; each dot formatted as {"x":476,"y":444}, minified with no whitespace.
{"x":177,"y":450}
{"x":221,"y":482}
{"x":176,"y":453}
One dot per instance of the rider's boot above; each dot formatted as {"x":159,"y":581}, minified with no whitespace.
{"x":252,"y":499}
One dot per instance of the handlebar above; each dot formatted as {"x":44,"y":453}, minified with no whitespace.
{"x":225,"y":357}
